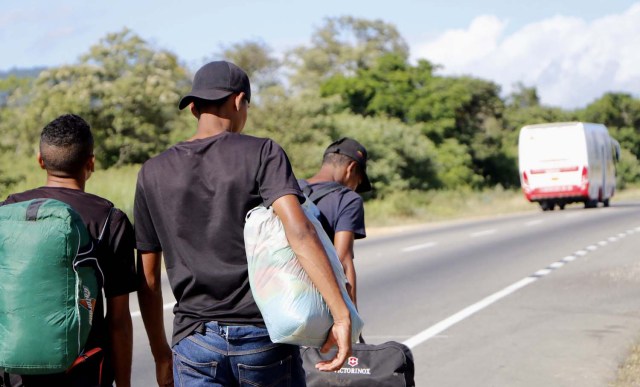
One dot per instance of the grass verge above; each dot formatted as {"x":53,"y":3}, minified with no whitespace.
{"x":629,"y":372}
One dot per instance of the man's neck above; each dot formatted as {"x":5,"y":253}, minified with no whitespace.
{"x":65,"y":182}
{"x":210,"y":125}
{"x":324,"y":174}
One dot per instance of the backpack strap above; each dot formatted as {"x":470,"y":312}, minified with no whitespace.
{"x":32,"y":211}
{"x":95,"y":261}
{"x":317,"y":194}
{"x":106,"y":223}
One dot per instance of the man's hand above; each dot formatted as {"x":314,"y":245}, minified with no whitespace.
{"x":164,"y":371}
{"x":340,"y":335}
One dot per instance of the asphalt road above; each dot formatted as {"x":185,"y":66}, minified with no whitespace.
{"x":535,"y":299}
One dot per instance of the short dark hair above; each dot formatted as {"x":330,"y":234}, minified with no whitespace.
{"x":202,"y":104}
{"x":338,"y":160}
{"x":66,"y":144}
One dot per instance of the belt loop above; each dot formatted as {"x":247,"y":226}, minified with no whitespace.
{"x":202,"y":329}
{"x":224,"y":331}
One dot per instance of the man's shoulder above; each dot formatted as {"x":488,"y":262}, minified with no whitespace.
{"x":58,"y":193}
{"x":351,"y":197}
{"x":85,"y":203}
{"x":256,"y":142}
{"x":337,"y":189}
{"x":346,"y":197}
{"x":226,"y":142}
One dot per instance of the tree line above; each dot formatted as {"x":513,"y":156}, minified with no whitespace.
{"x":424,"y":131}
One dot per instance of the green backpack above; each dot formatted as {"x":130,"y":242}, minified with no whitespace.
{"x":49,"y":283}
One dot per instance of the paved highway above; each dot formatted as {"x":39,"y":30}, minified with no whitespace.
{"x":535,"y":299}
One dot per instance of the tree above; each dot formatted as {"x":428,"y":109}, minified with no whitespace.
{"x":257,"y":59}
{"x":388,"y":88}
{"x":523,"y":97}
{"x":342,"y":46}
{"x":455,"y":166}
{"x":401,"y":158}
{"x":124,"y":88}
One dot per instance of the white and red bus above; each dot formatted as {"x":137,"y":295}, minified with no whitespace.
{"x":567,"y":162}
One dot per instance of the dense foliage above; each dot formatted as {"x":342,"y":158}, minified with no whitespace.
{"x":424,"y":131}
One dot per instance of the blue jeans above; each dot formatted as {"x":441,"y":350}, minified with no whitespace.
{"x":235,"y":355}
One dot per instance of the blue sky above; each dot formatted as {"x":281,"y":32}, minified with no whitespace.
{"x":571,"y":50}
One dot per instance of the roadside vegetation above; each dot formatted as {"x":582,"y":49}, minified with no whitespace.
{"x":629,"y":371}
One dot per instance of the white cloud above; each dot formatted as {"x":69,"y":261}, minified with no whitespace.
{"x":570,"y":61}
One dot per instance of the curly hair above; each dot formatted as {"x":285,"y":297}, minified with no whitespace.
{"x":66,"y":144}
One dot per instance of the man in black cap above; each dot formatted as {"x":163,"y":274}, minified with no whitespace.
{"x":333,"y":189}
{"x":190,"y":206}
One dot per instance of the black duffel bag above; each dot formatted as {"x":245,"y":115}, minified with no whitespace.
{"x":386,"y":365}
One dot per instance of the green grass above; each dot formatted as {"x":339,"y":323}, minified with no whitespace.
{"x":116,"y":184}
{"x":414,"y":207}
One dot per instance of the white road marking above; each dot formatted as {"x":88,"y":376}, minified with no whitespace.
{"x":419,"y":247}
{"x":533,"y":222}
{"x":542,"y":272}
{"x":557,"y":265}
{"x":445,"y":324}
{"x":466,"y":312}
{"x":482,"y":233}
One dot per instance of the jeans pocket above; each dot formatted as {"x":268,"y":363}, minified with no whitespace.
{"x":189,"y":373}
{"x":277,"y":374}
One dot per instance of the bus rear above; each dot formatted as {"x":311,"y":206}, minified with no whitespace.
{"x":553,"y":164}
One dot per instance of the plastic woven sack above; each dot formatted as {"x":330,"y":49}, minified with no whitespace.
{"x":293,"y":309}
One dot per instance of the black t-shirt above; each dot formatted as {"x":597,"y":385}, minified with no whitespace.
{"x":191,"y":202}
{"x":340,"y":210}
{"x":115,"y":254}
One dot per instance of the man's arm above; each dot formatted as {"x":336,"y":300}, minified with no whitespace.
{"x":151,"y":309}
{"x":121,"y":335}
{"x":343,"y":242}
{"x":309,"y":250}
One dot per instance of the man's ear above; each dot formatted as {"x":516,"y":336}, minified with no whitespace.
{"x":194,"y":110}
{"x":239,"y":100}
{"x":40,"y":161}
{"x":91,"y":163}
{"x":352,"y":167}
{"x":89,"y":167}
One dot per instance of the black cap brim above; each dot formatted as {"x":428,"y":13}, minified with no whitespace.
{"x":365,"y":186}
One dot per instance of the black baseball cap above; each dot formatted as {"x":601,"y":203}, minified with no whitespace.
{"x":216,"y":80}
{"x":353,"y":149}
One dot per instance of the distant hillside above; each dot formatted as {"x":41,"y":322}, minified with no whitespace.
{"x":22,"y":72}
